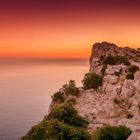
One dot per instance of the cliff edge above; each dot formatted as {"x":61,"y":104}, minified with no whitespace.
{"x":117,"y":101}
{"x":107,"y":107}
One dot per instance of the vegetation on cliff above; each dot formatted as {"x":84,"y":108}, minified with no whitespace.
{"x":130,"y":75}
{"x":63,"y":123}
{"x":92,"y":80}
{"x":133,"y":68}
{"x":108,"y":73}
{"x":112,"y":133}
{"x":69,"y":89}
{"x":131,"y":71}
{"x":115,"y":60}
{"x":67,"y":114}
{"x":58,"y":97}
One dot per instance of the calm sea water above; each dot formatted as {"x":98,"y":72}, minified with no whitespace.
{"x":25,"y":93}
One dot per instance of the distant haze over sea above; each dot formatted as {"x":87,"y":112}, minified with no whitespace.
{"x":39,"y":60}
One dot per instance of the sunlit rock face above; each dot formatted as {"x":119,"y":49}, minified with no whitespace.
{"x":105,"y":49}
{"x":117,"y":102}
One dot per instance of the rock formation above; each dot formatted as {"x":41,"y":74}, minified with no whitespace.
{"x":104,"y":49}
{"x":117,"y":102}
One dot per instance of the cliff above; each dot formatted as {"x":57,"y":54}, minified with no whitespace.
{"x":105,"y":49}
{"x":110,"y":96}
{"x":117,"y":101}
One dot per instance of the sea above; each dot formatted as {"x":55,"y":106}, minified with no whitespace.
{"x":26,"y":90}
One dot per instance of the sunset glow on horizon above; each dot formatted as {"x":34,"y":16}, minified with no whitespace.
{"x":60,"y":29}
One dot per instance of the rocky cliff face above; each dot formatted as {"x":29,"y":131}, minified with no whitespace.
{"x":114,"y":100}
{"x":104,"y":49}
{"x":117,"y":102}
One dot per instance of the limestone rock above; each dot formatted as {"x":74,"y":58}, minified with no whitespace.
{"x":116,"y":69}
{"x":128,"y":89}
{"x":117,"y":102}
{"x":105,"y":48}
{"x":118,"y":98}
{"x":96,"y":66}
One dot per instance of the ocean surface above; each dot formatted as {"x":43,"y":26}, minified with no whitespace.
{"x":26,"y":89}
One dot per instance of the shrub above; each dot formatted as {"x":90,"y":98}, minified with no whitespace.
{"x":92,"y":80}
{"x":130,"y":76}
{"x":58,"y":97}
{"x":112,"y":133}
{"x":109,"y":60}
{"x":37,"y":132}
{"x":63,"y":123}
{"x":115,"y":60}
{"x":56,"y":130}
{"x":129,"y":116}
{"x":122,"y":60}
{"x":71,"y":100}
{"x":115,"y":101}
{"x":71,"y":88}
{"x":66,"y":113}
{"x":133,"y":68}
{"x":61,"y":131}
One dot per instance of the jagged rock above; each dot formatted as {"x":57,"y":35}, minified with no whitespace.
{"x":134,"y":136}
{"x":117,"y":101}
{"x":117,"y":98}
{"x":96,"y":66}
{"x":116,"y":69}
{"x":105,"y":48}
{"x":112,"y":79}
{"x":128,"y":89}
{"x":109,"y":85}
{"x":100,"y":110}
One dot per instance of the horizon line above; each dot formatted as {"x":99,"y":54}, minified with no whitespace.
{"x":41,"y":59}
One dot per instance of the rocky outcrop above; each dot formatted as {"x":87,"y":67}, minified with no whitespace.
{"x":117,"y":102}
{"x":104,"y":49}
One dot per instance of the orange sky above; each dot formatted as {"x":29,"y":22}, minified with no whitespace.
{"x":66,"y":32}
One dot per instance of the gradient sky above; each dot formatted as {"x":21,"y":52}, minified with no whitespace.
{"x":66,"y":28}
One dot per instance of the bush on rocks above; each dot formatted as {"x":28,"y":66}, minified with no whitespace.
{"x":112,"y":133}
{"x":116,"y":60}
{"x":130,"y":76}
{"x":92,"y":80}
{"x":133,"y":68}
{"x":71,"y":88}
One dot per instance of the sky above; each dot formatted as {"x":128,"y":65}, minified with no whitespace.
{"x":66,"y":28}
